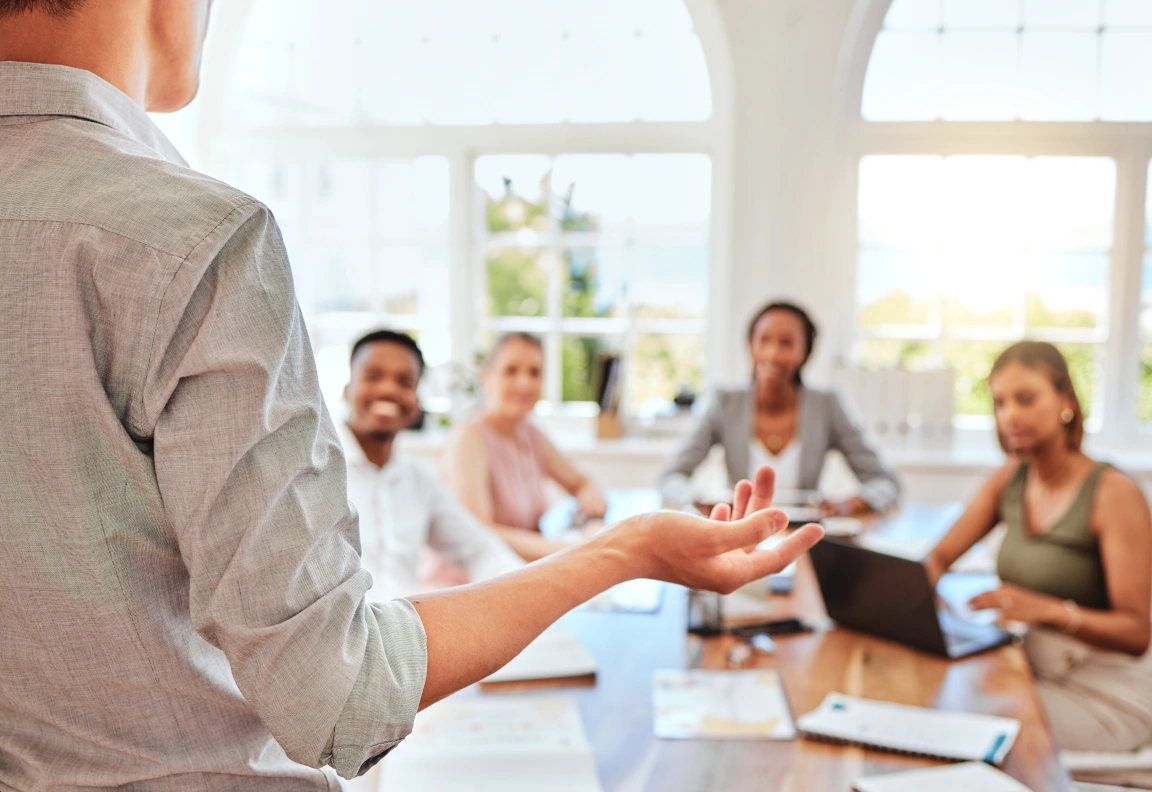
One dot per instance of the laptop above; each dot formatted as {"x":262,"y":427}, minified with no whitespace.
{"x":890,"y":597}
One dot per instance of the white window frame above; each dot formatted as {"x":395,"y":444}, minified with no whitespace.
{"x":1129,"y":144}
{"x":462,"y":145}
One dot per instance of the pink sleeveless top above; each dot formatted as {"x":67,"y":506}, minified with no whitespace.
{"x":516,"y":476}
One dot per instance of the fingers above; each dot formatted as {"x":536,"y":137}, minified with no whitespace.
{"x":740,"y":499}
{"x":769,"y":562}
{"x":721,"y":512}
{"x":989,"y":600}
{"x":750,"y":531}
{"x":763,"y":489}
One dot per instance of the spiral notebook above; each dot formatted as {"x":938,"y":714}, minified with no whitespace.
{"x":910,"y":730}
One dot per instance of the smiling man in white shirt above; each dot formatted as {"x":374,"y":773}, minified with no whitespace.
{"x":403,"y":505}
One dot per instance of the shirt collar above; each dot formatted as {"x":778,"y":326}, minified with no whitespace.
{"x":354,"y":453}
{"x":38,"y":89}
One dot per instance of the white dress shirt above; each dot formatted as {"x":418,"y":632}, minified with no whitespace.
{"x":404,"y":507}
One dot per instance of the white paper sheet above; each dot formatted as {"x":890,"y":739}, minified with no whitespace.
{"x":966,"y":777}
{"x":489,"y":744}
{"x":556,"y":654}
{"x":721,"y":705}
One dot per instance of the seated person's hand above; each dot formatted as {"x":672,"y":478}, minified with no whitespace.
{"x":717,"y":553}
{"x":1018,"y":604}
{"x":853,"y":507}
{"x":590,"y":503}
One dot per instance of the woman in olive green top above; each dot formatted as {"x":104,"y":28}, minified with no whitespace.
{"x":1076,"y":561}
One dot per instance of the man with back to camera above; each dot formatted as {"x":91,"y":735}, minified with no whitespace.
{"x":181,"y":597}
{"x":402,"y":505}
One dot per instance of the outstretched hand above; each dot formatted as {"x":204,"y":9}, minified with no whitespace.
{"x":719,"y":553}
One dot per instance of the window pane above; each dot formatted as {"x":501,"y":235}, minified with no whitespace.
{"x":884,"y":354}
{"x":668,"y":282}
{"x":647,"y":193}
{"x":981,"y":14}
{"x":412,"y":199}
{"x":515,"y":189}
{"x":968,"y":299}
{"x":980,"y":76}
{"x":972,"y":362}
{"x":914,"y":15}
{"x":1127,"y":13}
{"x":595,"y":282}
{"x":896,"y":288}
{"x":903,"y":78}
{"x":1144,"y":392}
{"x":1058,"y":76}
{"x":1069,"y":203}
{"x":981,"y":201}
{"x":1068,"y":291}
{"x":662,"y":365}
{"x":579,"y":358}
{"x":453,"y":62}
{"x":517,"y":282}
{"x":1146,"y":300}
{"x":1144,"y":395}
{"x":1126,"y":59}
{"x":1063,"y":13}
{"x":899,"y":201}
{"x":996,"y":60}
{"x":335,"y":275}
{"x":412,"y":280}
{"x":339,"y":196}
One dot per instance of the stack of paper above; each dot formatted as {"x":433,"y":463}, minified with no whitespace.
{"x":557,"y":654}
{"x":911,"y":730}
{"x":721,"y":705}
{"x":494,"y":745}
{"x":967,"y":777}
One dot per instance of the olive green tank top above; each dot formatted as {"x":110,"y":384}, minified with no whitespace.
{"x":1065,"y":561}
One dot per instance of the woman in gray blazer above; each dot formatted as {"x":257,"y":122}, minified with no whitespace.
{"x":779,"y":422}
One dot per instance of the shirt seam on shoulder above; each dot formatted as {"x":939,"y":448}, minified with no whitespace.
{"x":121,"y":234}
{"x":164,"y":294}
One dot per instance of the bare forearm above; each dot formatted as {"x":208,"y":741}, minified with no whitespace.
{"x":1111,"y":630}
{"x":475,"y":630}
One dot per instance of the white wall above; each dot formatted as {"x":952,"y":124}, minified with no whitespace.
{"x":784,"y":56}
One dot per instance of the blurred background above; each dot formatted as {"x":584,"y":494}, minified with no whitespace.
{"x":934,"y":179}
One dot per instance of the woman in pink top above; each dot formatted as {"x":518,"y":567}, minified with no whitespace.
{"x":500,"y":461}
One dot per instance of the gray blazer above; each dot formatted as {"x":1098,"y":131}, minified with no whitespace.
{"x":824,"y":426}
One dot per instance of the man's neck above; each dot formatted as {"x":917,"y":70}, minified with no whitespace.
{"x":107,"y":39}
{"x":377,"y":448}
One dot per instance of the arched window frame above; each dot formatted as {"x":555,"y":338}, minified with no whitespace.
{"x":462,"y":145}
{"x":1128,"y":144}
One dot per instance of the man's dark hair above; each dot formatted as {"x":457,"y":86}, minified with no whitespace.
{"x":57,"y":8}
{"x":385,"y":337}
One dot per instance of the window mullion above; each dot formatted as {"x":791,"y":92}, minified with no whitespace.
{"x":553,"y":342}
{"x":1122,"y":352}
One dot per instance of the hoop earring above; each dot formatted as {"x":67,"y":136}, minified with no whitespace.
{"x":1066,"y":415}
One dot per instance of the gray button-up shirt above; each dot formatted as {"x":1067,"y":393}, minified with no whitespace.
{"x":181,"y":597}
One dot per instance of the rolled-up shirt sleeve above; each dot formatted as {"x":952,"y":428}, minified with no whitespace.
{"x":254,"y":487}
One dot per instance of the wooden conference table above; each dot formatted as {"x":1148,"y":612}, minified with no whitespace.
{"x":628,"y":647}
